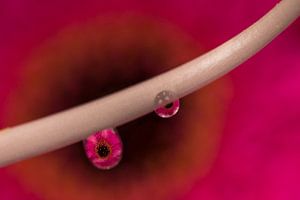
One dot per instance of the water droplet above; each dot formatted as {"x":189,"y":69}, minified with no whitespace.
{"x":104,"y":148}
{"x":166,"y":104}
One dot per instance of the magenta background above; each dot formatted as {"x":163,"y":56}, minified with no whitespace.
{"x":259,"y":155}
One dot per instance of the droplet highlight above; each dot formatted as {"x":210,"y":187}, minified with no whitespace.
{"x":104,"y":149}
{"x":166,"y":104}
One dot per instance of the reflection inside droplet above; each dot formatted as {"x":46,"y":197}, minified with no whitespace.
{"x":104,"y":149}
{"x":165,"y":104}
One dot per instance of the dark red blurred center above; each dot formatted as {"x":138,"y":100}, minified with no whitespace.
{"x":89,"y":61}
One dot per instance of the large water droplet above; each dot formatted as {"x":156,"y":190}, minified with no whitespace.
{"x":104,"y":148}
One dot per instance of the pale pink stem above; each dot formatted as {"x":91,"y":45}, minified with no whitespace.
{"x":64,"y":128}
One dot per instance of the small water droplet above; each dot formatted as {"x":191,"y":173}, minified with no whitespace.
{"x":104,"y":148}
{"x":166,"y":104}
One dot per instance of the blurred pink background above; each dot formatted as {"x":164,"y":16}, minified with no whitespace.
{"x":237,"y":138}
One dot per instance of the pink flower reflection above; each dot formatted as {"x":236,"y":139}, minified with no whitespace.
{"x":104,"y":149}
{"x":169,"y":110}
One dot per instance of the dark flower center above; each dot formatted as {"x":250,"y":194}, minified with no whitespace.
{"x":103,"y":150}
{"x":169,"y":105}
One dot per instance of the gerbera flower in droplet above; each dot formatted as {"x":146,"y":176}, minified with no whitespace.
{"x":104,"y":149}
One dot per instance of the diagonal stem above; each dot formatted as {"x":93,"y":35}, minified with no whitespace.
{"x":64,"y":128}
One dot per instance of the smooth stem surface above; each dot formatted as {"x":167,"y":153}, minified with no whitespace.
{"x":64,"y":128}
